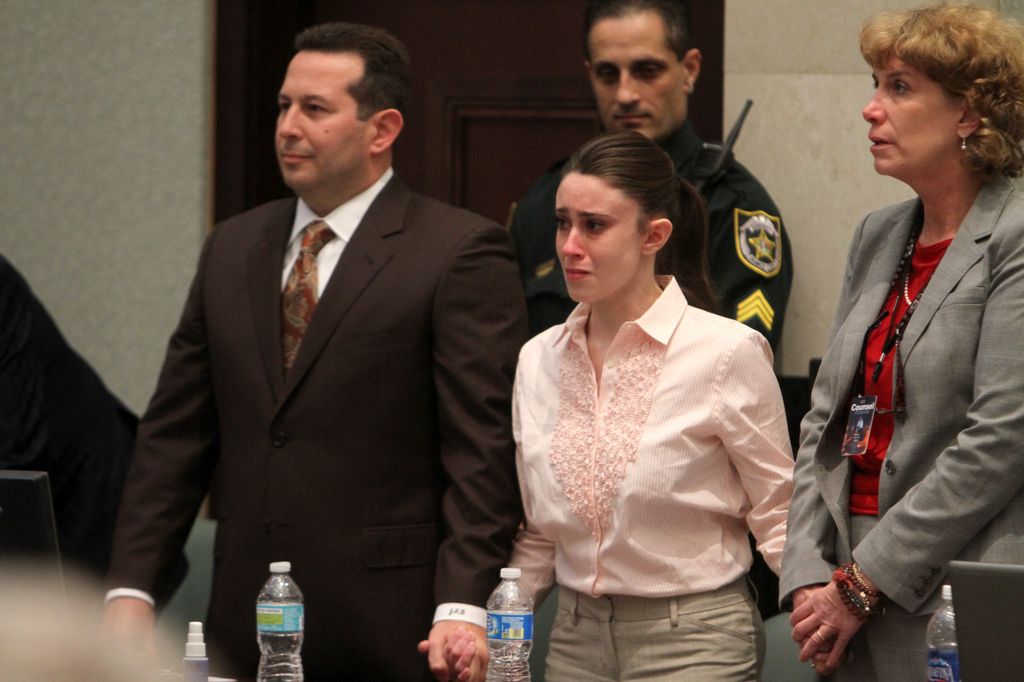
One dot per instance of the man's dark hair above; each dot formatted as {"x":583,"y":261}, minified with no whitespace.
{"x":385,"y":81}
{"x":675,"y":15}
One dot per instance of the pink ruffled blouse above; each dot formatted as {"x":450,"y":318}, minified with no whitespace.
{"x":646,"y":485}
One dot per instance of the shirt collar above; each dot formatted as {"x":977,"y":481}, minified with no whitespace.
{"x":683,"y":146}
{"x":343,"y":220}
{"x":658,"y":322}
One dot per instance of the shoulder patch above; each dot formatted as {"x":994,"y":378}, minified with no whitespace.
{"x":544,"y":269}
{"x":756,"y":307}
{"x":758,"y":241}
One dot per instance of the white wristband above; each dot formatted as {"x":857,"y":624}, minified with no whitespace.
{"x":464,"y":612}
{"x":132,"y":593}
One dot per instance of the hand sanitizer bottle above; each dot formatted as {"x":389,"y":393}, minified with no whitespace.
{"x":195,"y":667}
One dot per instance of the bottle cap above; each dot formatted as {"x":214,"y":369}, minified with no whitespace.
{"x":511,"y":573}
{"x":195,"y":647}
{"x":280,"y":567}
{"x":947,"y":593}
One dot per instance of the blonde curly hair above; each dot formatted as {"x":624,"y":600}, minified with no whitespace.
{"x":972,"y":52}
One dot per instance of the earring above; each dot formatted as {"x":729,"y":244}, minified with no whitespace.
{"x":963,"y":143}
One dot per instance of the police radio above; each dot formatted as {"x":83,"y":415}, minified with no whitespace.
{"x":713,"y":159}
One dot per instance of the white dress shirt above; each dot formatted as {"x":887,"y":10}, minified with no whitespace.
{"x":647,"y":484}
{"x":343,"y":222}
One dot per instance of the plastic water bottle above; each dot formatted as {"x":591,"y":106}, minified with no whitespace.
{"x":943,"y":656}
{"x":279,"y":626}
{"x":509,"y":630}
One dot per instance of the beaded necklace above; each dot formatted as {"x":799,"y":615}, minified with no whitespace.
{"x":896,"y":329}
{"x":895,"y":335}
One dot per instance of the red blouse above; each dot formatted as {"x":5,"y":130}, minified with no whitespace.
{"x":864,"y":486}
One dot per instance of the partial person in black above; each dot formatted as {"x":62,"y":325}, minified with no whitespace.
{"x":643,"y":67}
{"x":57,"y":416}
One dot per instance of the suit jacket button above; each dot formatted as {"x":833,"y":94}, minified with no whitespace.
{"x":279,"y":439}
{"x":890,"y":468}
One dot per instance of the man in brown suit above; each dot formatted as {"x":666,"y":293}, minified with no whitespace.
{"x":380,"y":462}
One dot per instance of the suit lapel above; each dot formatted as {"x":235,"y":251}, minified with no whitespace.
{"x":966,"y":250}
{"x":264,"y":268}
{"x":877,"y":278}
{"x":362,"y":259}
{"x":876,"y":262}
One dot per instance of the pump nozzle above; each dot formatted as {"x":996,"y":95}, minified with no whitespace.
{"x":195,"y":647}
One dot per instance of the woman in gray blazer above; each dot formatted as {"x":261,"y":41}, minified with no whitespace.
{"x":911,"y":453}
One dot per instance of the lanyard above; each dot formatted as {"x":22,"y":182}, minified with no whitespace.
{"x":896,"y":329}
{"x":894,"y":336}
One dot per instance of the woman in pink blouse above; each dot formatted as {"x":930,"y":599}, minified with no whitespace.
{"x":650,"y":438}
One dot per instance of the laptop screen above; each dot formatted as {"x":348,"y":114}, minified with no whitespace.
{"x":989,"y":603}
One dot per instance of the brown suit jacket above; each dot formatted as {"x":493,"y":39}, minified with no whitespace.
{"x":382,"y":466}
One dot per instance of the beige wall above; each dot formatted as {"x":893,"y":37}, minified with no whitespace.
{"x":805,"y":139}
{"x":104,"y":180}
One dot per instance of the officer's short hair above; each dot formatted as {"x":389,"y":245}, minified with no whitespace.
{"x":675,"y":15}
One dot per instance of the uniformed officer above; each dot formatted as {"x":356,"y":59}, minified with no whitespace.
{"x":643,"y":67}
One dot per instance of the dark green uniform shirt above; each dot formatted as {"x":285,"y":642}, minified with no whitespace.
{"x":748,"y":251}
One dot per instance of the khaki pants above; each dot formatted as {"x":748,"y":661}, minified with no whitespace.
{"x":715,"y":636}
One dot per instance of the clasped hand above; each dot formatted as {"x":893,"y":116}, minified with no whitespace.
{"x":456,"y":651}
{"x":823,"y":626}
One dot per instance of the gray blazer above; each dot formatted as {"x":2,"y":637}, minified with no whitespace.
{"x":951,"y":483}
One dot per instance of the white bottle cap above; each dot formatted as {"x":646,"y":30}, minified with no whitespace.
{"x":195,"y":647}
{"x":511,"y":573}
{"x":280,"y":567}
{"x":947,"y":593}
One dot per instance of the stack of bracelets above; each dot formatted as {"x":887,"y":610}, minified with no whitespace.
{"x":854,"y":591}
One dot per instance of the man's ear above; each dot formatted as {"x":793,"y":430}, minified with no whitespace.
{"x":385,"y":125}
{"x":691,"y":62}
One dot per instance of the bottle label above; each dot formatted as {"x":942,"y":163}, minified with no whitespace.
{"x":279,"y":618}
{"x":509,"y":626}
{"x":943,"y":665}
